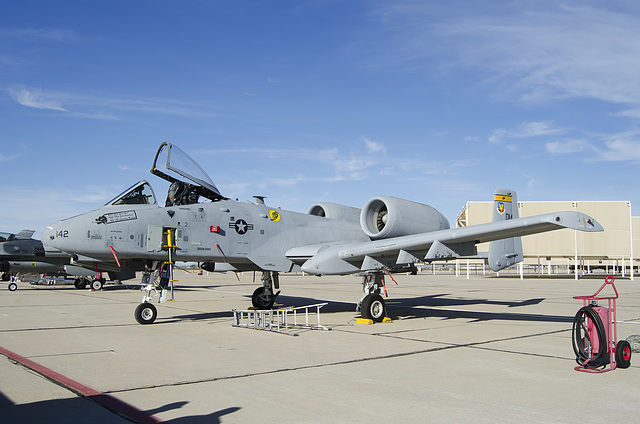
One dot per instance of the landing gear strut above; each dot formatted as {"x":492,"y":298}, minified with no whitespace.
{"x":372,"y":305}
{"x":152,"y":284}
{"x":264,"y":297}
{"x":161,"y":280}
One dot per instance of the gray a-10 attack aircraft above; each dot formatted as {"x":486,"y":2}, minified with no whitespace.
{"x":389,"y":234}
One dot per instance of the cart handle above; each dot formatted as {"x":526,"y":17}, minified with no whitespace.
{"x":608,"y":280}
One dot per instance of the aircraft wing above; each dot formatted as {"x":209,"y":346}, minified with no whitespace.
{"x":445,"y":244}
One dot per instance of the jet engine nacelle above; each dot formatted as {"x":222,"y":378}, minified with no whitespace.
{"x":335,"y":211}
{"x":384,"y":217}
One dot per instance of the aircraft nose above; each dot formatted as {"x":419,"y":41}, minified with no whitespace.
{"x":52,"y":236}
{"x":49,"y":236}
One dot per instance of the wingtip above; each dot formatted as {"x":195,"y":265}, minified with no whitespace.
{"x":577,"y":221}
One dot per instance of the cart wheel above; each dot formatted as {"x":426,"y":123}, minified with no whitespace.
{"x":623,"y":354}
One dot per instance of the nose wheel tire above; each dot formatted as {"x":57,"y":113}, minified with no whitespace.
{"x":373,"y":307}
{"x":146,"y":313}
{"x":13,"y":287}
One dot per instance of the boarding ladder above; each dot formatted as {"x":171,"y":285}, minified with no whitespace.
{"x":170,"y":246}
{"x":279,"y":320}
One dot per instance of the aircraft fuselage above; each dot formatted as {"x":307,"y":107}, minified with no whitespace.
{"x":242,"y":234}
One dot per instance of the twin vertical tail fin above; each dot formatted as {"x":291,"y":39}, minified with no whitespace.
{"x":506,"y":252}
{"x":25,"y":234}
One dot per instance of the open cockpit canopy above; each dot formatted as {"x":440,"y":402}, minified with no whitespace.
{"x":140,"y":193}
{"x":7,"y":237}
{"x":178,"y":166}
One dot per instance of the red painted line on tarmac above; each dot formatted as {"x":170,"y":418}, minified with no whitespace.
{"x":111,"y":403}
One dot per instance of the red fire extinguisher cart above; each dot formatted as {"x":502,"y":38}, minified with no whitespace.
{"x":595,"y":334}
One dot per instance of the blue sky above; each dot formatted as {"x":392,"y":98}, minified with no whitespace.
{"x":438,"y":102}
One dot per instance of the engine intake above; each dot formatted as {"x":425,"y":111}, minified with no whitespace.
{"x":384,"y":217}
{"x":335,"y":211}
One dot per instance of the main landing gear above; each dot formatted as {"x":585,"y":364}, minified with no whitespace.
{"x":264,"y":297}
{"x":96,"y":284}
{"x":372,"y":305}
{"x":12,"y":281}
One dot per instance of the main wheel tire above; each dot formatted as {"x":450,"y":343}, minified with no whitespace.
{"x":97,"y":284}
{"x":13,"y":287}
{"x":261,"y":298}
{"x":374,"y":308}
{"x":80,"y":283}
{"x":623,"y":354}
{"x":146,"y":313}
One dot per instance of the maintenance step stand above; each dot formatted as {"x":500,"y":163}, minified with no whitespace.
{"x":278,"y":320}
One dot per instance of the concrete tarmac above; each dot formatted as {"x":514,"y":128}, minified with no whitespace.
{"x":483,"y":349}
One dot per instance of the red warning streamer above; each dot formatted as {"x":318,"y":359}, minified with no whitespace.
{"x":391,"y":277}
{"x":225,"y":258}
{"x":115,"y":256}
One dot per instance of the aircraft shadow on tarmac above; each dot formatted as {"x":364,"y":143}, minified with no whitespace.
{"x":76,"y":409}
{"x":430,"y":306}
{"x":409,"y":308}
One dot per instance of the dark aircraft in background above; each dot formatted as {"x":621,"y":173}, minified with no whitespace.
{"x":21,"y":255}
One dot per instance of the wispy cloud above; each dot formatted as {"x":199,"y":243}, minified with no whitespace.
{"x":323,"y":155}
{"x":622,"y":149}
{"x":568,"y":146}
{"x":354,"y":165}
{"x":524,"y":130}
{"x":373,"y":147}
{"x":39,"y":34}
{"x":528,"y":51}
{"x":81,"y":105}
{"x":36,"y":99}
